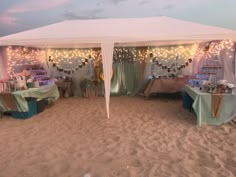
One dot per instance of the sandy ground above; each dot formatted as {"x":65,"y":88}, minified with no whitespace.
{"x":142,"y":138}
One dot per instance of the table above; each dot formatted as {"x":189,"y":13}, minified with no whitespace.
{"x":202,"y":106}
{"x":49,"y":91}
{"x":65,"y":86}
{"x":165,"y":85}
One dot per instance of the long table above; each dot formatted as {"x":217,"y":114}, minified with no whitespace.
{"x":202,"y":103}
{"x":165,"y":85}
{"x":50,"y":91}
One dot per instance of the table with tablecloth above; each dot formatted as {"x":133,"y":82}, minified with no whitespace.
{"x":165,"y":85}
{"x":202,"y":106}
{"x":49,"y":91}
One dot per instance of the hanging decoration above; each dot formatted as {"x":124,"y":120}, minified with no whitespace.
{"x":70,"y":60}
{"x":172,"y":58}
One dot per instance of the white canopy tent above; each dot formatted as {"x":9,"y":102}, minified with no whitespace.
{"x":107,"y":33}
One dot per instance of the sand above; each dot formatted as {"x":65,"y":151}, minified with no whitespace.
{"x":142,"y":138}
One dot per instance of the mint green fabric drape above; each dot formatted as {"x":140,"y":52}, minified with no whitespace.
{"x":128,"y":78}
{"x":124,"y":79}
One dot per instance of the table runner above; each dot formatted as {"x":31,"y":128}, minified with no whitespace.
{"x":216,"y":102}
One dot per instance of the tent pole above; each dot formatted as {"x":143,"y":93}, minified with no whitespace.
{"x":107,"y":58}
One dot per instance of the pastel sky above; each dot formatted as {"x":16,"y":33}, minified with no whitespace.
{"x":20,"y":15}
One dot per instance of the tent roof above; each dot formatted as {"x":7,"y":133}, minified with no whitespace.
{"x":125,"y":32}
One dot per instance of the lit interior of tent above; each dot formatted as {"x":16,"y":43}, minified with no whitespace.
{"x":120,"y":57}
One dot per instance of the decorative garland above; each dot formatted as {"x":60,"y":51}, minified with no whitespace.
{"x":18,"y":56}
{"x":171,"y":67}
{"x":120,"y":54}
{"x":83,"y":62}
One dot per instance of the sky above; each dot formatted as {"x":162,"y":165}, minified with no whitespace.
{"x":21,"y":15}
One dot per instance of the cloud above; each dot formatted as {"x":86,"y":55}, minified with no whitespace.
{"x":117,"y":1}
{"x":84,"y":14}
{"x":36,"y":5}
{"x":7,"y":19}
{"x":100,"y":3}
{"x":168,"y":6}
{"x":142,"y":2}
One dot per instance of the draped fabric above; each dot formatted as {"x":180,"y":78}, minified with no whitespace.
{"x":45,"y":61}
{"x":187,"y":71}
{"x":198,"y":61}
{"x":3,"y":64}
{"x":130,"y":78}
{"x":90,"y":70}
{"x":124,"y":81}
{"x":227,"y":60}
{"x":141,"y":78}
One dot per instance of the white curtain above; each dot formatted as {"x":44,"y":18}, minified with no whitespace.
{"x":3,"y":64}
{"x":44,"y":58}
{"x":187,"y":71}
{"x":107,"y":58}
{"x":227,"y":60}
{"x":198,"y":61}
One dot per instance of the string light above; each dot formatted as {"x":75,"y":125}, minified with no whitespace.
{"x":172,"y":58}
{"x":124,"y":54}
{"x":73,"y":59}
{"x":70,"y":60}
{"x":214,"y":49}
{"x":20,"y":56}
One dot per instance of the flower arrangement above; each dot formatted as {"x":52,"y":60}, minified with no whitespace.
{"x":208,"y":87}
{"x":222,"y":86}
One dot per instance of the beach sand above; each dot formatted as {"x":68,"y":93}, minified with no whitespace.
{"x":142,"y":138}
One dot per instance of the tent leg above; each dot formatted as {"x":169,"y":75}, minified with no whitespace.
{"x":107,"y":58}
